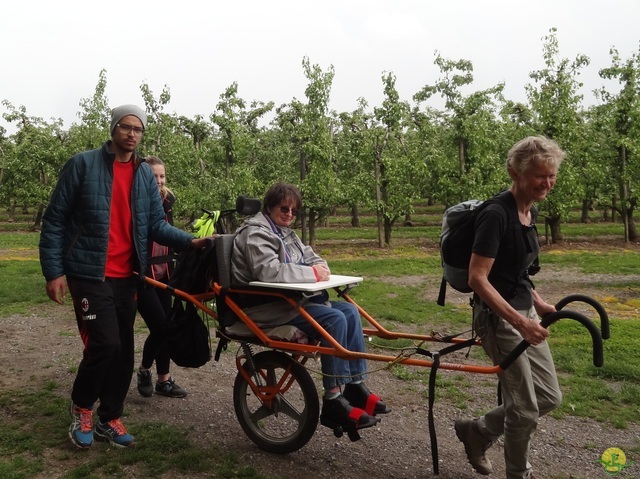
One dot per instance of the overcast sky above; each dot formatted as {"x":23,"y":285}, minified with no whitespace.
{"x":51,"y":52}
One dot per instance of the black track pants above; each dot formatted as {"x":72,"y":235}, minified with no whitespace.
{"x":105,"y":312}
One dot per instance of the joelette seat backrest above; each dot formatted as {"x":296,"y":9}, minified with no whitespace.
{"x":223,"y":249}
{"x":229,"y":323}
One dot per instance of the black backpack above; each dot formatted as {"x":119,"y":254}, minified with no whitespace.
{"x":456,"y":241}
{"x":195,"y":269}
{"x":188,"y":335}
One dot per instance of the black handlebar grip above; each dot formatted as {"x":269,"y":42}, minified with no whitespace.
{"x":548,"y":320}
{"x":604,"y":317}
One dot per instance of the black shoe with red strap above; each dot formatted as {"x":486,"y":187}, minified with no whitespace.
{"x":342,"y":417}
{"x":360,"y":396}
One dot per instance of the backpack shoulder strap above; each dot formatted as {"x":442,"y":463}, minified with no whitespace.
{"x":473,"y":209}
{"x":443,"y":292}
{"x":522,"y":247}
{"x":506,"y":200}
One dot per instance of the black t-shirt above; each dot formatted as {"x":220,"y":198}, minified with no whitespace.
{"x":514,"y":247}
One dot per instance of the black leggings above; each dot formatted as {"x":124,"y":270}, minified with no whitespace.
{"x":154,"y":305}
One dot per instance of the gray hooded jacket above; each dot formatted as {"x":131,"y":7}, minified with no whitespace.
{"x":265,"y":252}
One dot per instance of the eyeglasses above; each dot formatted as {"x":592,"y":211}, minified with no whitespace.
{"x":126,"y":129}
{"x":284,"y":210}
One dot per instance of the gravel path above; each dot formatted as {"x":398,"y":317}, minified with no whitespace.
{"x":397,"y":448}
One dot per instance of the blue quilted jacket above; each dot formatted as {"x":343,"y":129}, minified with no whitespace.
{"x":75,"y":225}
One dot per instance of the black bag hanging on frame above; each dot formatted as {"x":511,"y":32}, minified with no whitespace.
{"x":188,"y":336}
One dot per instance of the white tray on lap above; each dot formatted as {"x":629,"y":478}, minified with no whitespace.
{"x":332,"y":282}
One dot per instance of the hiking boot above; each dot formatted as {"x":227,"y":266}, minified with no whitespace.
{"x":81,"y":429}
{"x":170,"y":389}
{"x":360,"y":396}
{"x":145,"y":384}
{"x":475,"y":445}
{"x":114,"y":432}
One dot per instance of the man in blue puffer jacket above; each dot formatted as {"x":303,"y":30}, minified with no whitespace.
{"x":103,"y":213}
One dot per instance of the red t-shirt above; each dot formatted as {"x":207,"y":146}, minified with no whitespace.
{"x":120,"y":248}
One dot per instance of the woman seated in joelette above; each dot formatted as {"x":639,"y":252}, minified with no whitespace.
{"x":267,"y":249}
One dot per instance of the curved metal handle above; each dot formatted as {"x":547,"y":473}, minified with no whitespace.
{"x":604,"y":317}
{"x":548,"y":320}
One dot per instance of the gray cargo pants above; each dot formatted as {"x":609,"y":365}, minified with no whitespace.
{"x":529,"y":388}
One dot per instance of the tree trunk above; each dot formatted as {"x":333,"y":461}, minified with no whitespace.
{"x":229,"y":155}
{"x":229,"y":223}
{"x":12,"y":211}
{"x":303,"y":216}
{"x":312,"y":228}
{"x":462,"y":156}
{"x":623,"y":190}
{"x":37,"y":221}
{"x":546,"y":232}
{"x":584,"y":217}
{"x":355,"y":216}
{"x":380,"y":224}
{"x":378,"y":201}
{"x":631,"y":225}
{"x":387,"y":231}
{"x":554,"y":228}
{"x":633,"y":232}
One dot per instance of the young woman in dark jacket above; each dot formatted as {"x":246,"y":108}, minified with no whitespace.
{"x":154,"y":304}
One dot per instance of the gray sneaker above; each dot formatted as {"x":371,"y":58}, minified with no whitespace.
{"x":145,"y":383}
{"x":475,"y":444}
{"x":170,"y":388}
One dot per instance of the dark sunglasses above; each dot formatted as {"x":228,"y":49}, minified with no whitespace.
{"x":285,"y":210}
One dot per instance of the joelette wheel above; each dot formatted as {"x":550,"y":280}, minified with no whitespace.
{"x":279,"y":410}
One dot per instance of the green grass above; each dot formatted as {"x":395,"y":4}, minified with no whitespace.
{"x":18,"y":240}
{"x":617,"y":262}
{"x":370,"y":233}
{"x":22,"y":286}
{"x":37,"y":420}
{"x":407,"y":304}
{"x":380,"y":266}
{"x":609,"y":394}
{"x":22,"y":283}
{"x":590,"y":230}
